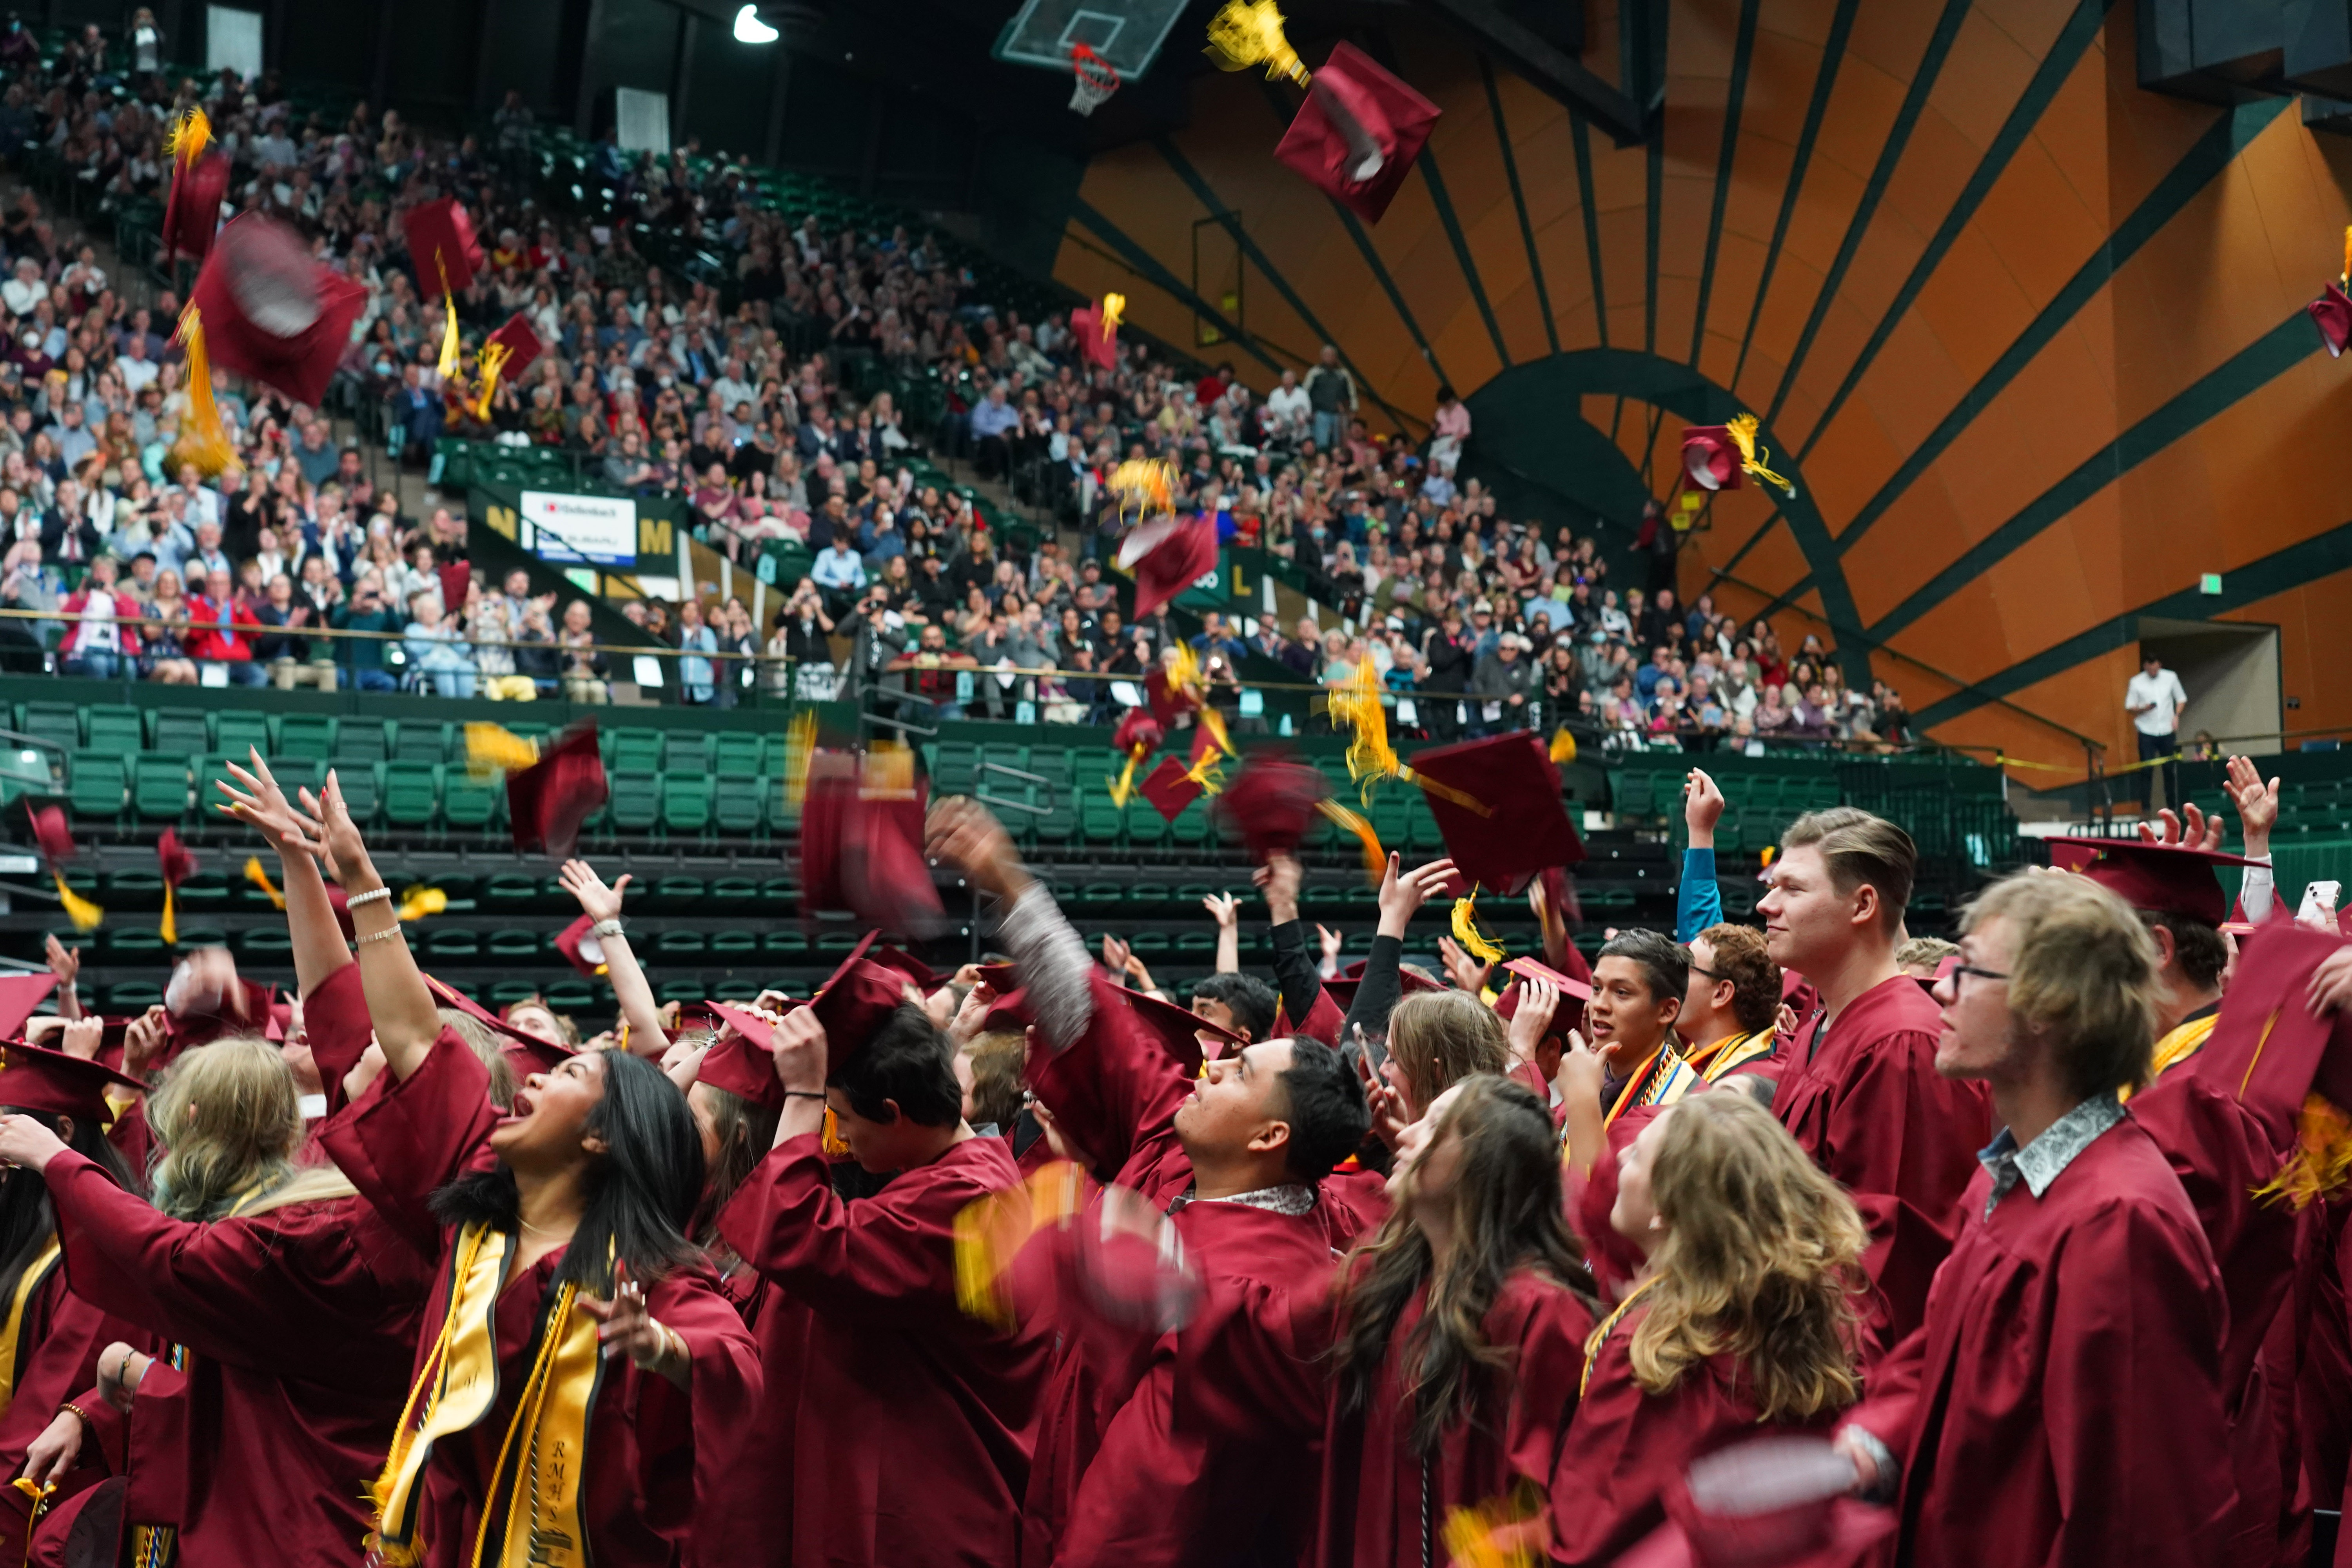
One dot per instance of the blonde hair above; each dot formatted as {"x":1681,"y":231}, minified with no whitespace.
{"x":1440,"y":1038}
{"x":229,"y":1120}
{"x":1858,"y":848}
{"x":487,"y":1050}
{"x":997,"y":1058}
{"x":2085,"y":974}
{"x":1761,"y":1259}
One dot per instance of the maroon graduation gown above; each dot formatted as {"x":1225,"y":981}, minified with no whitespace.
{"x":1871,"y":1110}
{"x":755,"y":1525}
{"x":656,"y":1454}
{"x":1626,"y":1446}
{"x":914,"y":1420}
{"x":57,"y":1361}
{"x":1119,"y":1482}
{"x":299,"y":1325}
{"x":1257,"y":1362}
{"x":2063,"y":1402}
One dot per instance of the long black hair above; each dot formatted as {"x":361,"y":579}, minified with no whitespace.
{"x":641,"y":1191}
{"x":27,"y":1218}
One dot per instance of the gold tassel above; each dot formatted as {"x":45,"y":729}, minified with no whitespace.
{"x":1249,"y":33}
{"x":1114,"y":306}
{"x":990,"y":1231}
{"x":451,"y":360}
{"x":492,"y":749}
{"x":2322,"y":1161}
{"x":800,"y":748}
{"x":2348,"y":256}
{"x":1743,"y":431}
{"x":1563,"y":747}
{"x":1505,"y":1533}
{"x":418,"y":902}
{"x":1476,"y":942}
{"x":1357,"y":705}
{"x":189,"y":138}
{"x":84,"y":914}
{"x":1376,"y":860}
{"x":1123,"y":785}
{"x":170,"y":928}
{"x":1209,"y":773}
{"x":260,"y":879}
{"x":202,"y":441}
{"x":493,"y":362}
{"x":835,"y":1149}
{"x":1214,"y":723}
{"x":1149,"y":482}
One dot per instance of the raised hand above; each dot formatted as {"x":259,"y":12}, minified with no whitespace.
{"x":2257,"y":803}
{"x":597,"y":902}
{"x":1403,"y":892}
{"x":2191,"y":829}
{"x":1467,"y":973}
{"x":1702,"y":808}
{"x":65,"y":962}
{"x":1115,"y":954}
{"x":82,"y":1037}
{"x":1221,"y":909}
{"x":261,"y":805}
{"x":338,"y":837}
{"x":963,"y":834}
{"x":28,"y":1143}
{"x":1582,"y":1071}
{"x":624,"y":1327}
{"x":144,"y":1041}
{"x":1537,"y":997}
{"x":1331,"y":940}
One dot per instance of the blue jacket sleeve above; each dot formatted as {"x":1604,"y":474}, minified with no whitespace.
{"x":1700,"y":902}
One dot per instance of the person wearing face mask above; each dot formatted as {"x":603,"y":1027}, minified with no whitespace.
{"x":1741,"y":1322}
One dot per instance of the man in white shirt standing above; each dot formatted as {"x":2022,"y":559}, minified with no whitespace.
{"x":2154,"y":698}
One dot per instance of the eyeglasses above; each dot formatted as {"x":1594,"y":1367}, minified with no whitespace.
{"x":1710,"y":973}
{"x":1960,"y":969}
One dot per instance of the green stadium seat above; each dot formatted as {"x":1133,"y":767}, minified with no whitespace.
{"x":96,"y":785}
{"x":184,"y":733}
{"x":235,"y":733}
{"x":731,"y":895}
{"x":360,"y":740}
{"x":122,"y":731}
{"x":791,"y":946}
{"x":1631,"y":793}
{"x":573,"y":995}
{"x":675,"y":944}
{"x":634,"y":750}
{"x":678,"y":895}
{"x":58,"y":723}
{"x":159,"y":786}
{"x":686,"y":802}
{"x":133,"y":945}
{"x":740,"y":754}
{"x":419,"y":741}
{"x":686,"y":750}
{"x":507,"y":993}
{"x":952,"y":767}
{"x":309,"y":736}
{"x":443,"y":943}
{"x":736,"y":991}
{"x":1060,"y":823}
{"x":133,"y":996}
{"x":510,"y":892}
{"x":204,"y":891}
{"x":733,"y":944}
{"x":1100,"y":821}
{"x":362,"y":787}
{"x":514,"y":946}
{"x":193,"y":939}
{"x":265,"y":944}
{"x":467,"y":803}
{"x":412,"y":793}
{"x":738,"y":805}
{"x":637,"y":801}
{"x":680,"y":991}
{"x":1146,"y":828}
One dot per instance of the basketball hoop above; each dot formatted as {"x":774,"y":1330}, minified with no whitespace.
{"x":1097,"y":80}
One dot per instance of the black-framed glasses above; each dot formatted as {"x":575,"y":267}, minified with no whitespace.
{"x":1960,"y":969}
{"x":1710,"y":973}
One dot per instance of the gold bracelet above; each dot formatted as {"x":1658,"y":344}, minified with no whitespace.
{"x":384,"y":935}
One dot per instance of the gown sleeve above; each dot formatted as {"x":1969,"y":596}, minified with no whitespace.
{"x":695,"y":1433}
{"x":406,"y":1138}
{"x":335,"y":1016}
{"x":1112,"y":1087}
{"x":787,"y":1222}
{"x":1254,"y":1359}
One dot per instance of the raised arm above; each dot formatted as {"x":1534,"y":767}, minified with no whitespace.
{"x":1402,"y":893}
{"x":1297,"y":977}
{"x":1700,"y":902}
{"x":311,"y":922}
{"x":630,"y":987}
{"x":1055,"y":973}
{"x":399,"y":1003}
{"x":1221,"y":909}
{"x":2258,"y":809}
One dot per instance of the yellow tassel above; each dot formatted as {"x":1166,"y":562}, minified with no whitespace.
{"x":835,"y":1149}
{"x":800,"y":748}
{"x":418,"y":902}
{"x":189,"y":138}
{"x":84,"y":914}
{"x":1563,"y":747}
{"x":1376,"y":860}
{"x":450,"y":357}
{"x":1114,"y":306}
{"x":1771,"y":850}
{"x":260,"y":879}
{"x":990,"y":1231}
{"x":1249,"y":33}
{"x":1214,"y":723}
{"x":1209,"y":773}
{"x":1505,"y":1533}
{"x":493,"y":362}
{"x":1147,"y":483}
{"x":1123,"y":785}
{"x":170,"y":926}
{"x":2348,"y":256}
{"x":202,"y":441}
{"x":1476,"y":942}
{"x":39,"y":1492}
{"x":2321,"y":1165}
{"x":1743,"y":431}
{"x":1356,"y":706}
{"x":492,"y":749}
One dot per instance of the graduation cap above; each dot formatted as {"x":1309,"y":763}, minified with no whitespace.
{"x":1357,"y":136}
{"x":19,"y":994}
{"x":1272,"y":803}
{"x":926,"y":979}
{"x":1343,"y":990}
{"x":856,"y":1002}
{"x":55,"y":841}
{"x":862,"y":840}
{"x":1566,"y":1013}
{"x":1763,"y":1503}
{"x":1179,"y":1031}
{"x":1137,"y":736}
{"x":1168,"y":556}
{"x":177,"y":865}
{"x":1498,"y":809}
{"x":441,"y":247}
{"x":264,"y":307}
{"x":1171,"y":787}
{"x":1715,"y":455}
{"x":2159,"y":879}
{"x":2332,"y":314}
{"x":33,"y":1078}
{"x":1096,"y":330}
{"x":547,"y":802}
{"x":2269,"y":1052}
{"x":527,"y":1052}
{"x":743,"y":1061}
{"x":192,"y":212}
{"x":579,"y":949}
{"x":506,"y":354}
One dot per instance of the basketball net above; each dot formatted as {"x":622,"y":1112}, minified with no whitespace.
{"x":1097,"y":80}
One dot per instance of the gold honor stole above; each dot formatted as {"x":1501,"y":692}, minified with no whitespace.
{"x":1663,"y":1079}
{"x":2176,"y":1046}
{"x":536,"y":1484}
{"x":1600,"y":1335}
{"x":1731,"y":1052}
{"x":13,"y":1343}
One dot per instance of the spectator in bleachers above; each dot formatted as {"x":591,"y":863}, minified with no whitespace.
{"x":697,"y":678}
{"x":217,"y":640}
{"x":362,"y":658}
{"x":99,"y":642}
{"x":436,"y":651}
{"x":290,"y":660}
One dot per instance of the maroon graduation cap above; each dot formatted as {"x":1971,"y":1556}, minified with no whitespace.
{"x":177,"y":865}
{"x":2160,"y":878}
{"x":522,"y":344}
{"x":854,"y":1002}
{"x":862,"y":844}
{"x":1272,"y":803}
{"x":1566,"y":1015}
{"x":441,"y":245}
{"x":527,"y":1052}
{"x":33,"y":1078}
{"x":1179,"y":1031}
{"x":1517,"y":827}
{"x":579,"y":949}
{"x":19,"y":994}
{"x":1138,"y":734}
{"x":548,"y":800}
{"x":1097,"y":341}
{"x":2332,"y":314}
{"x":1168,"y":556}
{"x":271,"y":312}
{"x":1357,"y":136}
{"x":743,"y":1061}
{"x":1710,"y":458}
{"x":192,"y":212}
{"x":1169,"y":787}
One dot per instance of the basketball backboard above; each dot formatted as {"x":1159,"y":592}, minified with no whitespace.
{"x":1126,"y":32}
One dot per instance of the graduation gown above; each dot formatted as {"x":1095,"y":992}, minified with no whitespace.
{"x":1870,"y":1108}
{"x":57,"y":1346}
{"x":1116,"y":1480}
{"x":755,"y":1527}
{"x":657,"y":1454}
{"x":1258,"y":1363}
{"x":2063,"y":1402}
{"x":914,"y":1425}
{"x":1627,"y":1446}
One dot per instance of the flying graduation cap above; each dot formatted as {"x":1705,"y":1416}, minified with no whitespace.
{"x":55,"y":841}
{"x":744,"y":1060}
{"x":1715,"y":455}
{"x":551,"y":791}
{"x":1096,"y":329}
{"x":2332,"y":311}
{"x":264,"y":307}
{"x":1168,"y":556}
{"x":444,"y":253}
{"x":177,"y":865}
{"x":862,"y":840}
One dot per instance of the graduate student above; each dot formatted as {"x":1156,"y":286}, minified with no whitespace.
{"x":914,"y":1421}
{"x":1732,"y":1003}
{"x":2062,"y":1401}
{"x":1742,"y":1320}
{"x":1234,"y":1152}
{"x":1860,"y":1090}
{"x":580,"y":1379}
